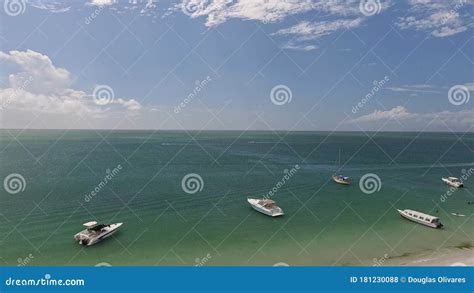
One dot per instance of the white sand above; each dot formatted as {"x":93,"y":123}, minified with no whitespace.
{"x":445,"y":257}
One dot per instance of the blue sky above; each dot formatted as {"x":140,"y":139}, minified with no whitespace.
{"x":267,"y":65}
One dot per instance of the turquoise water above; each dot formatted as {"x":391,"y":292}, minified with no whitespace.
{"x":324,"y":223}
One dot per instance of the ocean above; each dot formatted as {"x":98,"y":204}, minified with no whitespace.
{"x":182,"y":196}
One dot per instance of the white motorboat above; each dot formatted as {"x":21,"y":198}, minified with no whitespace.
{"x":453,"y":181}
{"x":95,"y":232}
{"x":421,"y":218}
{"x":266,"y":206}
{"x":341,"y":179}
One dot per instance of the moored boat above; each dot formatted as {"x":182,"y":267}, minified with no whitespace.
{"x":453,"y":181}
{"x":421,"y":218}
{"x":95,"y":232}
{"x":341,"y":179}
{"x":266,"y":206}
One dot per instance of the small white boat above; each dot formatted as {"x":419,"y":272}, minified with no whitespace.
{"x":458,"y":215}
{"x":421,"y":218}
{"x":266,"y":206}
{"x":341,"y":179}
{"x":95,"y":232}
{"x":453,"y":181}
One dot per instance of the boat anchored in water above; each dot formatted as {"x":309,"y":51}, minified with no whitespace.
{"x":95,"y":232}
{"x":266,"y":206}
{"x":421,"y":218}
{"x":341,"y":179}
{"x":453,"y":181}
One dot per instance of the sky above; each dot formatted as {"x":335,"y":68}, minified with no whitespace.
{"x":237,"y":65}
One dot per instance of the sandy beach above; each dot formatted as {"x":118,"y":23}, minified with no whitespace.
{"x":443,"y":257}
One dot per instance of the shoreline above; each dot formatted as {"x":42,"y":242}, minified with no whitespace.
{"x":443,"y":257}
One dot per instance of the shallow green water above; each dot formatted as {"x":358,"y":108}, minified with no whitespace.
{"x":325,"y":223}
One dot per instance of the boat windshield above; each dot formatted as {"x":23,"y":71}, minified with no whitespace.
{"x":270,"y":205}
{"x":97,"y":227}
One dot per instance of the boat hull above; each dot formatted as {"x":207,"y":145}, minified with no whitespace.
{"x":431,"y":225}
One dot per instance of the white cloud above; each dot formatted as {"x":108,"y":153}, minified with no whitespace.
{"x":219,"y":11}
{"x":415,"y":88}
{"x":340,"y":14}
{"x":101,"y":3}
{"x":40,"y":87}
{"x":398,"y":113}
{"x":299,"y":46}
{"x":440,"y":18}
{"x":461,"y":120}
{"x":50,"y":5}
{"x":306,"y":30}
